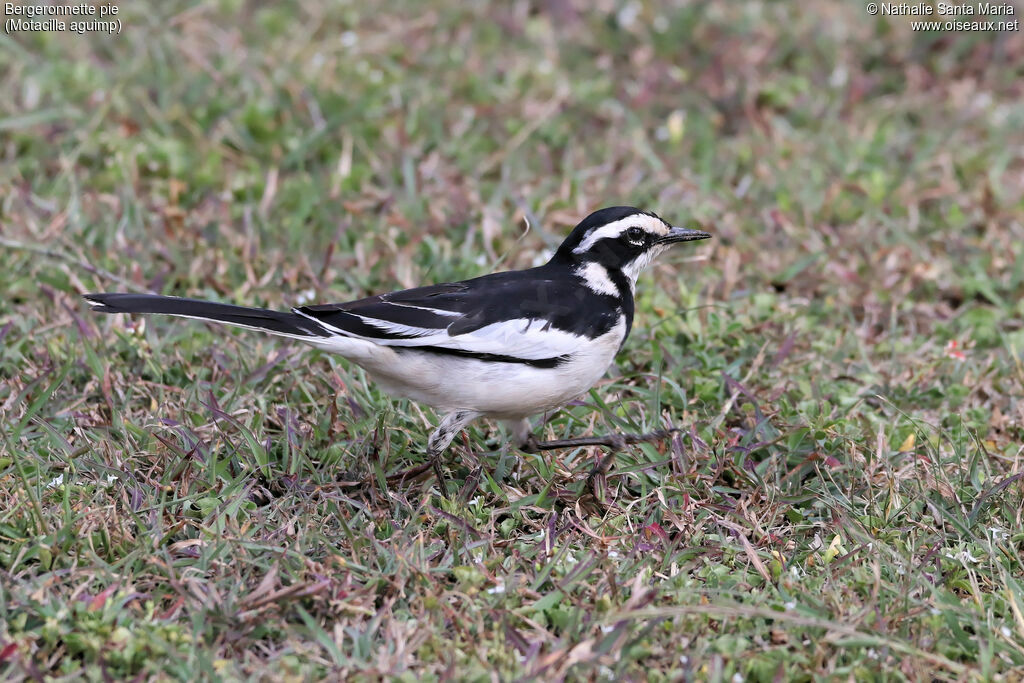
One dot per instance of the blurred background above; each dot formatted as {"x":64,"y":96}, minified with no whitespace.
{"x":859,"y":313}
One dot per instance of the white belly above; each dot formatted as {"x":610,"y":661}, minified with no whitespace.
{"x":495,"y":389}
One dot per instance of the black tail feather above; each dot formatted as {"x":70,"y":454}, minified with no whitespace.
{"x":259,"y":318}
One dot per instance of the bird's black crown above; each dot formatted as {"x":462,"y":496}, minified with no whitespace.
{"x":597,"y":219}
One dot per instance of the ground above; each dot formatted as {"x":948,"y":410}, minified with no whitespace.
{"x":843,"y":359}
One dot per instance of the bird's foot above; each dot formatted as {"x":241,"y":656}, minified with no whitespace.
{"x":412,"y":473}
{"x":442,"y":437}
{"x":435,"y":462}
{"x":471,"y":485}
{"x":614,"y":441}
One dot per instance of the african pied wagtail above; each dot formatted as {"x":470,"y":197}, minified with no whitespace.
{"x":504,"y":346}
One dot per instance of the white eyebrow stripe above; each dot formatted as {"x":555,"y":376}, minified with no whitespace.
{"x":613,"y":229}
{"x":649,"y":224}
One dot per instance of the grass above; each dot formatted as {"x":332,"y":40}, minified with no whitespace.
{"x":844,"y":358}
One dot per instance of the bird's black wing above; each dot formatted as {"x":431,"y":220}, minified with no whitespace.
{"x":532,"y":316}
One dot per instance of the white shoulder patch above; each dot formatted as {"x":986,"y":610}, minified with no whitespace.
{"x":520,"y":338}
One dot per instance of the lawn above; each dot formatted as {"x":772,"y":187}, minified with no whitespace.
{"x":845,"y":359}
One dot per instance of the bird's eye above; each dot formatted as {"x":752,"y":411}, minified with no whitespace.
{"x":636,"y":236}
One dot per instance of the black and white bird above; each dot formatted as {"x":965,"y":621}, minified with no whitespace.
{"x":505,"y":346}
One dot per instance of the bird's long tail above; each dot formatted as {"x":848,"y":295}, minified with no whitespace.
{"x":275,"y":322}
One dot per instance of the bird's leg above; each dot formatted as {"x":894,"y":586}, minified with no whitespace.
{"x":614,"y":441}
{"x":442,"y":437}
{"x":520,"y":436}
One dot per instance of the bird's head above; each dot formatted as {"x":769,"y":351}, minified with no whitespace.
{"x":623,"y":239}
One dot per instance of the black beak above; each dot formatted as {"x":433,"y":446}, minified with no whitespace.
{"x":683,"y":235}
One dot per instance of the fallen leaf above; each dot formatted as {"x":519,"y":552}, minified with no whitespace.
{"x":908,"y":443}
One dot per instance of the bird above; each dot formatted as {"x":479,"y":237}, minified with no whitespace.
{"x":504,"y":346}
